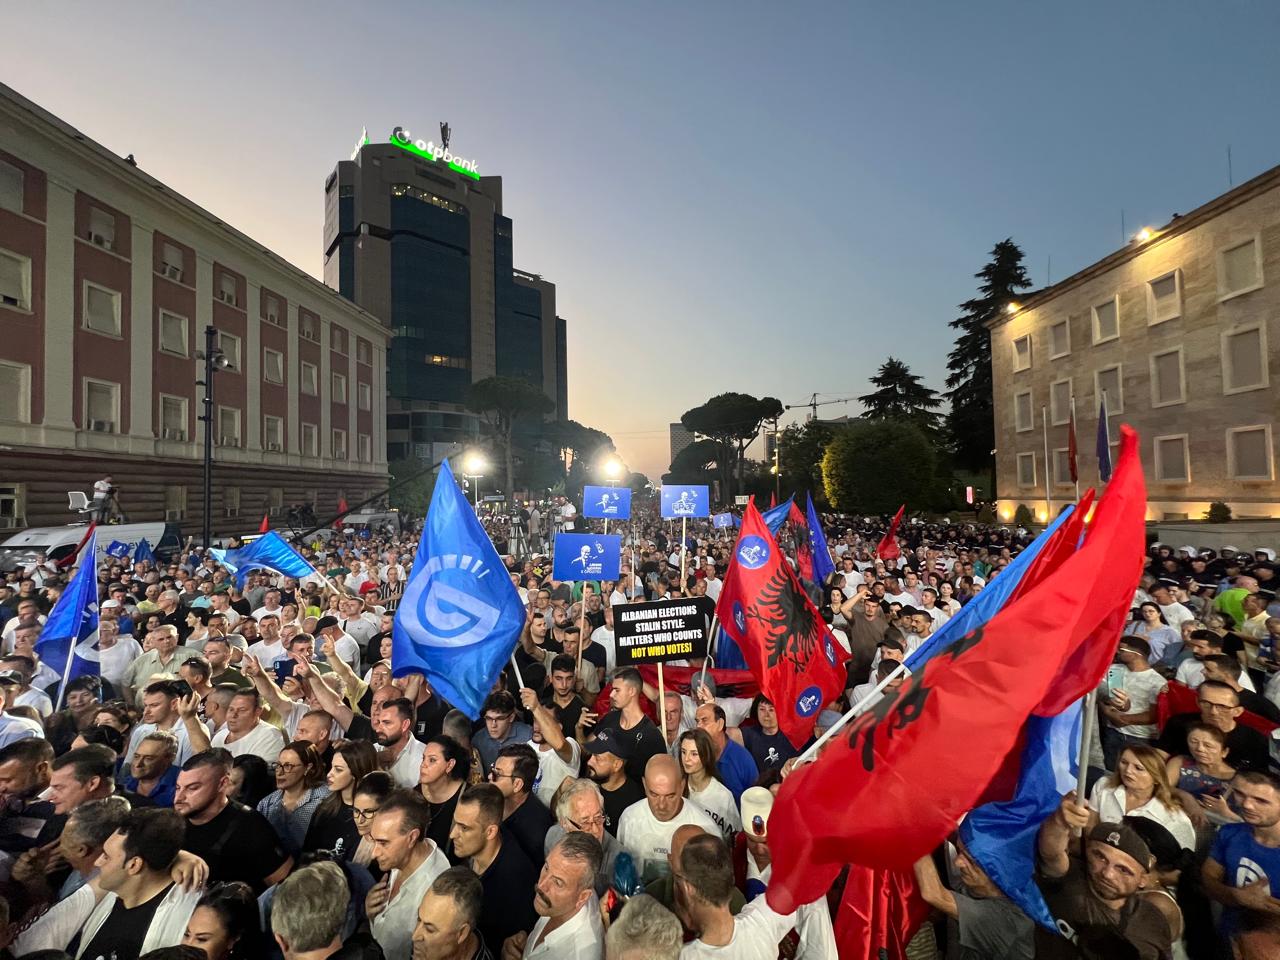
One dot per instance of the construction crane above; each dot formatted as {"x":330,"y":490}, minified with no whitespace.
{"x":814,"y":403}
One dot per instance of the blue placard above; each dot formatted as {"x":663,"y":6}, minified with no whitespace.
{"x":723,"y":520}
{"x":606,"y":503}
{"x":586,"y":556}
{"x":685,"y":501}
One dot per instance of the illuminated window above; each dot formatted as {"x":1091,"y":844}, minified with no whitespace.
{"x":440,"y":360}
{"x":417,"y":193}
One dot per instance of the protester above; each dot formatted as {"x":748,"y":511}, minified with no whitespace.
{"x":448,"y":919}
{"x":225,"y":924}
{"x":333,"y":826}
{"x":300,"y":789}
{"x":607,"y":764}
{"x":645,"y":828}
{"x":1245,"y":859}
{"x":410,"y":861}
{"x":569,"y":925}
{"x":703,"y":786}
{"x":514,"y":773}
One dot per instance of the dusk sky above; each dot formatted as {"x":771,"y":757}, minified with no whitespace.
{"x":769,"y":198}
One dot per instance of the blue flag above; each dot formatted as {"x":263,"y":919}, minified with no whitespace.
{"x":1104,"y":441}
{"x":117,"y":549}
{"x":68,"y":642}
{"x":269,"y":552}
{"x":606,"y":503}
{"x":460,"y":615}
{"x":823,"y":565}
{"x":1001,"y":837}
{"x":989,"y":601}
{"x":775,"y":518}
{"x":685,"y":501}
{"x":586,"y":556}
{"x":143,"y":552}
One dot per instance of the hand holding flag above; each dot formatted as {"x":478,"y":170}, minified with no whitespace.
{"x":887,"y":548}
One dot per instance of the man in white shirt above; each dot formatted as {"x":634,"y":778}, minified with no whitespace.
{"x":410,"y":861}
{"x":246,"y":731}
{"x":1174,"y":612}
{"x":270,"y":605}
{"x":160,"y":712}
{"x":347,"y":646}
{"x":559,"y":757}
{"x":645,"y":828}
{"x":356,"y":622}
{"x":569,"y":925}
{"x":393,"y":736}
{"x":270,"y":647}
{"x":1127,"y":700}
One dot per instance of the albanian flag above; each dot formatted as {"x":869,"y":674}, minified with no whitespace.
{"x":877,"y":797}
{"x":887,"y":548}
{"x":788,"y":648}
{"x":804,"y":551}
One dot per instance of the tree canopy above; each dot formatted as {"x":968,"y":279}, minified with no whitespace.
{"x":501,"y":401}
{"x":874,"y":466}
{"x":899,"y":395}
{"x":732,"y":420}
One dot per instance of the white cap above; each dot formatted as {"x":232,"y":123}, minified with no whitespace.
{"x":756,"y":805}
{"x":109,"y":603}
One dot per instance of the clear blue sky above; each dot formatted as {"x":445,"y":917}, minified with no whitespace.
{"x":748,"y":196}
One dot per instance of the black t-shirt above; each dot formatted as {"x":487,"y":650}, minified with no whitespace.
{"x":429,"y":721}
{"x":121,"y":935}
{"x":528,"y":826}
{"x":360,"y":728}
{"x":645,"y":739}
{"x":567,"y":715}
{"x":442,"y":823}
{"x":508,"y":895}
{"x":615,"y":801}
{"x":769,"y":752}
{"x":336,"y":832}
{"x":595,"y":653}
{"x":238,"y":844}
{"x":1246,"y":747}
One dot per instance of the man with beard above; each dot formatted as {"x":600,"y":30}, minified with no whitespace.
{"x":1243,"y":868}
{"x":400,"y":752}
{"x":607,"y":766}
{"x":559,"y":756}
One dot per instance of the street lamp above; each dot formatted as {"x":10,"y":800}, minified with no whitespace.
{"x":214,"y":360}
{"x":473,"y":467}
{"x":612,"y":468}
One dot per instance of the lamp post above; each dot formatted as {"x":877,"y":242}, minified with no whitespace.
{"x":214,"y":360}
{"x":472,"y":469}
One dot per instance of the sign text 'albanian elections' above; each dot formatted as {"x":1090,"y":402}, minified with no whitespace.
{"x":664,"y":630}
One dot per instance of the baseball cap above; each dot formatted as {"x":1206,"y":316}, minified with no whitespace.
{"x":368,"y":587}
{"x":324,"y":623}
{"x":609,"y":740}
{"x":108,"y":604}
{"x":756,"y":805}
{"x":1123,"y":838}
{"x":11,"y":676}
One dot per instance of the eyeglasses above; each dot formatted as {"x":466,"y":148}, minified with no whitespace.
{"x":1209,"y":704}
{"x":495,"y":775}
{"x":363,"y":815}
{"x":498,"y":719}
{"x":596,"y":821}
{"x":285,"y":767}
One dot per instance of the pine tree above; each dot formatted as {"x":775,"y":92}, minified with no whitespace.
{"x":899,"y":395}
{"x":971,"y":422}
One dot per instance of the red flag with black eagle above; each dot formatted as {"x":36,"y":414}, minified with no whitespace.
{"x":800,"y":530}
{"x":788,"y":648}
{"x":887,"y":548}
{"x":876,"y":796}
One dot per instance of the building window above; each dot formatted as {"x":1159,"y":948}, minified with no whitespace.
{"x":339,"y":441}
{"x":405,"y":190}
{"x":364,"y":352}
{"x":171,"y":261}
{"x":1239,"y":269}
{"x":307,"y":328}
{"x":1164,"y":297}
{"x":275,"y":500}
{"x":272,"y":366}
{"x":175,"y":502}
{"x":1249,"y":453}
{"x":15,"y":280}
{"x":272,"y":433}
{"x":337,"y":339}
{"x":173,"y":418}
{"x":11,"y":179}
{"x":1022,"y":416}
{"x":173,"y":333}
{"x":310,"y":440}
{"x":364,"y":447}
{"x":338,"y":388}
{"x":439,"y":360}
{"x":1060,"y":401}
{"x":273,"y":310}
{"x":101,"y":309}
{"x":1108,"y":381}
{"x":231,"y":501}
{"x":101,"y":406}
{"x":228,"y":427}
{"x":1106,"y":320}
{"x":1022,"y":354}
{"x":1244,"y":359}
{"x":1062,"y":467}
{"x":229,"y":344}
{"x":227,"y":289}
{"x":1026,"y":469}
{"x":308,"y":379}
{"x":364,"y":395}
{"x":1173,"y":463}
{"x":12,"y":508}
{"x":102,"y":228}
{"x":15,"y":391}
{"x":1167,"y":378}
{"x":1059,"y":340}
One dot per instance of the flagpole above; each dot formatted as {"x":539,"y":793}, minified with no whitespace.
{"x":1086,"y":739}
{"x":515,"y":666}
{"x":684,"y":536}
{"x":1048,"y":496}
{"x":662,"y":704}
{"x":852,"y":712}
{"x":1075,"y":467}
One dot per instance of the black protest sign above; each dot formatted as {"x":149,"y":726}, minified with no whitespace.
{"x":665,"y":630}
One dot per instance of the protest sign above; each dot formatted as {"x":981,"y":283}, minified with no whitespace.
{"x":664,"y":630}
{"x":684,"y":501}
{"x":606,"y":503}
{"x":587,"y":556}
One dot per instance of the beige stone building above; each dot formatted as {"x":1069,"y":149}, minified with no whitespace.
{"x":1179,"y":329}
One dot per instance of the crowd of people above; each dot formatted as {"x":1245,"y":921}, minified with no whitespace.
{"x":248,"y":778}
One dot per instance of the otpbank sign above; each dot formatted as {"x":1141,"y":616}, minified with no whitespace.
{"x":429,"y":150}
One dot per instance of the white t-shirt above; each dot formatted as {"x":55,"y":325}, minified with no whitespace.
{"x":263,"y":611}
{"x":604,"y":636}
{"x":1176,"y":614}
{"x":263,"y":740}
{"x":648,"y":839}
{"x":552,"y":771}
{"x":116,"y":658}
{"x":179,"y":731}
{"x":713,"y":588}
{"x":393,"y":927}
{"x":37,"y":699}
{"x":1143,"y":687}
{"x":736,"y":709}
{"x":756,"y":932}
{"x":267,"y":653}
{"x":717,"y":803}
{"x":407,"y":770}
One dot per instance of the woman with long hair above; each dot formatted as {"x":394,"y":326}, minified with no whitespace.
{"x":702,"y":784}
{"x":251,"y":779}
{"x":441,"y":777}
{"x":333,"y":826}
{"x":1150,"y":624}
{"x":372,"y":789}
{"x":226,"y":924}
{"x":1140,"y":788}
{"x":299,"y":791}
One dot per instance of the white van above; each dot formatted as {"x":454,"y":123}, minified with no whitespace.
{"x":57,"y":543}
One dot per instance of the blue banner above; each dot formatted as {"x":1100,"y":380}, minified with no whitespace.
{"x":723,"y":521}
{"x":680,"y":502}
{"x":144,"y":552}
{"x":823,"y":565}
{"x":606,"y":503}
{"x":775,"y":517}
{"x":585,"y":556}
{"x":269,"y":552}
{"x":460,"y":615}
{"x":68,"y":642}
{"x":117,"y":549}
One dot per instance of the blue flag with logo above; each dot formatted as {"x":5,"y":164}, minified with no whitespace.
{"x":268,"y":552}
{"x":777,"y":516}
{"x":823,"y":565}
{"x":606,"y":503}
{"x":685,"y":501}
{"x":1001,"y":837}
{"x":460,"y":615}
{"x":68,"y":642}
{"x":585,"y":556}
{"x":117,"y":549}
{"x":143,"y":552}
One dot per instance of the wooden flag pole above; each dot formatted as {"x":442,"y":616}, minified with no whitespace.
{"x":662,"y":704}
{"x":1086,"y":738}
{"x":582,"y":626}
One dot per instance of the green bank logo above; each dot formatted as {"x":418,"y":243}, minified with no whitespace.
{"x":429,"y":150}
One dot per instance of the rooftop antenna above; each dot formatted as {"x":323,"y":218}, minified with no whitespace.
{"x":1124,"y":236}
{"x":444,"y":135}
{"x":1231,"y":181}
{"x":1048,"y":272}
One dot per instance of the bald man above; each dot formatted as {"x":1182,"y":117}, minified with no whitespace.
{"x":647,"y":827}
{"x":664,"y":888}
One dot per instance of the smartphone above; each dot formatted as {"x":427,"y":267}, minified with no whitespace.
{"x":1114,"y":680}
